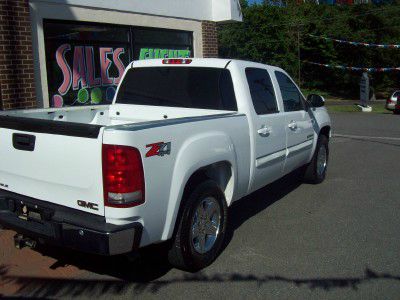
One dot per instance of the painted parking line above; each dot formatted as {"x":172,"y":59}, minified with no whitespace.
{"x":367,"y":137}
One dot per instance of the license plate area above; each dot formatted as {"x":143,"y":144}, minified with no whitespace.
{"x":30,"y":212}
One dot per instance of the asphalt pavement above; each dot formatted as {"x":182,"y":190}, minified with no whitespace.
{"x":336,"y":240}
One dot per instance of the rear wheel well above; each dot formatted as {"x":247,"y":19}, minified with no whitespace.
{"x":220,"y":172}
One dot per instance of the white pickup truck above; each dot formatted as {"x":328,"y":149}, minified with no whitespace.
{"x":182,"y":140}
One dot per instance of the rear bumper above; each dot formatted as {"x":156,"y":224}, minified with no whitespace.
{"x":66,"y":227}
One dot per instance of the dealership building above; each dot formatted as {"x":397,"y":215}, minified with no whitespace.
{"x":56,"y":53}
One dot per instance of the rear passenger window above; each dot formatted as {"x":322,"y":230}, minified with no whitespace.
{"x":262,"y":91}
{"x":292,"y":98}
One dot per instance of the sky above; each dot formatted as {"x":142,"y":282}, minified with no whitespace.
{"x":254,"y":1}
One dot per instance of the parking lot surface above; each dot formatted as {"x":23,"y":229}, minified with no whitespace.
{"x":336,"y":240}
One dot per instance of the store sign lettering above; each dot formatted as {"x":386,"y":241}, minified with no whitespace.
{"x":150,"y":53}
{"x":82,"y":72}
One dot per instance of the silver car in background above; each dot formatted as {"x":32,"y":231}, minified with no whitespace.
{"x":392,"y":102}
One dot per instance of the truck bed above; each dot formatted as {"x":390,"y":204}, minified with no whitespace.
{"x":55,"y":154}
{"x":103,"y":115}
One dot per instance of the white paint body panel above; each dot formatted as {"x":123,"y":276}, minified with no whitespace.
{"x":63,"y":169}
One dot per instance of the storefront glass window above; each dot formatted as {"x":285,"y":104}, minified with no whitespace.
{"x":85,"y":62}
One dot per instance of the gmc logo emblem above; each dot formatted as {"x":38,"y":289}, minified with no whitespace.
{"x":89,"y":205}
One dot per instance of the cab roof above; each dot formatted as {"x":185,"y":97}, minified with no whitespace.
{"x":194,"y":62}
{"x":198,"y":62}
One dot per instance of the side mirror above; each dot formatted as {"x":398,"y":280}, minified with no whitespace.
{"x":316,"y":100}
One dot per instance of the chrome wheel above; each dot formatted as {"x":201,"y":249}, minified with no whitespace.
{"x":206,"y":224}
{"x":321,"y":160}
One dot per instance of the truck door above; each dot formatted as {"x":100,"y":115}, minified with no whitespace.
{"x":299,"y":129}
{"x":268,"y":129}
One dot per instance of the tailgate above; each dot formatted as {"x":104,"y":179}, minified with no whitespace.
{"x":58,"y":162}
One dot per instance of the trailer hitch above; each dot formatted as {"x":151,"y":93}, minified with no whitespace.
{"x":20,"y":242}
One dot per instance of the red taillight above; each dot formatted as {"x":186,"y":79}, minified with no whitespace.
{"x":123,"y":178}
{"x":176,"y":61}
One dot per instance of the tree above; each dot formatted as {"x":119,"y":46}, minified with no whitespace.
{"x":268,"y":34}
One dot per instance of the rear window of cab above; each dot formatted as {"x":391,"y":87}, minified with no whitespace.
{"x":188,"y":87}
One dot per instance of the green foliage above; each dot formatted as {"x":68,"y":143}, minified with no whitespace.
{"x":269,"y":34}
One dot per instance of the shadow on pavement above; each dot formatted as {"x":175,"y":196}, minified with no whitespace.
{"x":150,"y":265}
{"x":45,"y":287}
{"x":244,"y":209}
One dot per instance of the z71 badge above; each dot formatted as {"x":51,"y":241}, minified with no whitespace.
{"x":158,"y":149}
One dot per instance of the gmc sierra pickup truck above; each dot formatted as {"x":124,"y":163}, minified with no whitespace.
{"x":182,"y":140}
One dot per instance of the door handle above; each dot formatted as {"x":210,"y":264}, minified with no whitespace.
{"x":292,"y":125}
{"x":264,"y":131}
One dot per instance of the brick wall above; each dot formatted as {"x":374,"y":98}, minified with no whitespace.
{"x":210,"y":39}
{"x":17,"y":87}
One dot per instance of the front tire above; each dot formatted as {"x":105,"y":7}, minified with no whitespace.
{"x":201,"y":228}
{"x":315,"y":171}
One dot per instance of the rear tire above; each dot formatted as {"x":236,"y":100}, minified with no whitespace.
{"x":315,"y":171}
{"x":203,"y":213}
{"x":396,"y":111}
